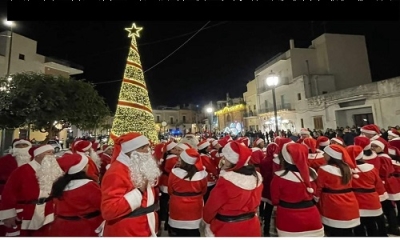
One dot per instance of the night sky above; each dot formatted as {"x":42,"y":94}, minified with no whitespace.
{"x":219,"y":59}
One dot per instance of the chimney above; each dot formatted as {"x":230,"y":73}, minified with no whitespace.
{"x":291,"y":43}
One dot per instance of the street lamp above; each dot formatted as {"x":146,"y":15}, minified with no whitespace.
{"x":164,"y":124}
{"x":11,"y":25}
{"x":210,"y":110}
{"x":272,"y":82}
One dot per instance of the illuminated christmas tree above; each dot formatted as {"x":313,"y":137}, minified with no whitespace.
{"x":134,"y":112}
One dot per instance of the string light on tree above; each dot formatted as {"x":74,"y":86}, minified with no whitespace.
{"x":134,"y":112}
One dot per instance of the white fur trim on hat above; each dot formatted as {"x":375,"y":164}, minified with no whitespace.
{"x":214,"y":143}
{"x":22,"y":141}
{"x":378,"y":143}
{"x":369,"y":131}
{"x":88,"y":147}
{"x":182,"y":146}
{"x":42,"y":149}
{"x":188,"y":159}
{"x":134,"y":144}
{"x":337,"y":155}
{"x":80,"y":166}
{"x":324,"y":144}
{"x":203,"y":145}
{"x":360,"y":156}
{"x":337,"y":140}
{"x":260,"y":140}
{"x":171,"y":145}
{"x":286,"y":156}
{"x":229,"y":154}
{"x":393,"y":134}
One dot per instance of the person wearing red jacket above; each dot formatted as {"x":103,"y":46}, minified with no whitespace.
{"x":84,"y":147}
{"x":337,"y":202}
{"x":77,"y":200}
{"x":186,"y":186}
{"x":292,"y":192}
{"x":322,"y":142}
{"x":231,"y":208}
{"x":105,"y":159}
{"x":257,"y":153}
{"x":368,"y":187}
{"x":315,"y":156}
{"x":210,"y":167}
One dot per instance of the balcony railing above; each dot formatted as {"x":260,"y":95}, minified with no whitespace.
{"x":250,"y":114}
{"x":284,"y":107}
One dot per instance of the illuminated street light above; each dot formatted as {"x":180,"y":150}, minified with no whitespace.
{"x":272,"y":82}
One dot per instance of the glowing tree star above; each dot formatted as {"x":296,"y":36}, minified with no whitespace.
{"x":134,"y":112}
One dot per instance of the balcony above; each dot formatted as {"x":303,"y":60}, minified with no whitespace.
{"x":63,"y":65}
{"x":284,"y":107}
{"x":282,"y":81}
{"x":250,"y":114}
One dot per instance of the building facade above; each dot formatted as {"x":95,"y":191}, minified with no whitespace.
{"x":251,"y":118}
{"x":230,"y":115}
{"x":24,"y":58}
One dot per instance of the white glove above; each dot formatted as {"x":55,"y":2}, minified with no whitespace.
{"x":100,"y":229}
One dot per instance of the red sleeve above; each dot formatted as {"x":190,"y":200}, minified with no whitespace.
{"x":210,"y":167}
{"x":95,"y":195}
{"x":170,"y":164}
{"x":320,"y":182}
{"x":275,"y":193}
{"x":379,"y":187}
{"x":204,"y":186}
{"x":171,"y":180}
{"x":93,"y":171}
{"x":9,"y":196}
{"x":215,"y":201}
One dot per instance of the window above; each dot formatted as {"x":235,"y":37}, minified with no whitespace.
{"x":302,"y":123}
{"x":21,"y":56}
{"x":254,"y":107}
{"x":158,"y":118}
{"x":184,"y":119}
{"x":318,"y":123}
{"x":363,"y":119}
{"x":283,"y":100}
{"x":171,"y":119}
{"x":299,"y":96}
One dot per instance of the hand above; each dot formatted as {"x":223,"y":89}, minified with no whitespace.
{"x":10,"y":222}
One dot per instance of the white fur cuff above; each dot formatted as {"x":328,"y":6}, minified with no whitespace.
{"x":134,"y":198}
{"x":9,"y":213}
{"x":207,"y":231}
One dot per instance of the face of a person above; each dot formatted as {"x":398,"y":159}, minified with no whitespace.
{"x":144,"y":149}
{"x":21,"y":145}
{"x":368,"y":135}
{"x":176,"y":150}
{"x":390,"y":137}
{"x":327,"y":157}
{"x":40,"y":157}
{"x":376,"y":148}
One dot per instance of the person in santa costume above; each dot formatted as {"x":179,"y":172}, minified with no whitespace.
{"x":369,"y":156}
{"x":26,"y":208}
{"x":394,"y":142}
{"x":337,"y":140}
{"x":190,"y":139}
{"x":216,"y":153}
{"x":390,"y":182}
{"x":128,"y":196}
{"x":281,"y":141}
{"x":211,"y":168}
{"x":304,"y":133}
{"x":315,"y":156}
{"x":257,"y":153}
{"x":84,"y":147}
{"x":368,"y":187}
{"x":187,"y":184}
{"x":105,"y":159}
{"x":371,"y":131}
{"x":322,"y":142}
{"x":231,"y":208}
{"x":77,"y":200}
{"x":396,"y":165}
{"x":292,"y":192}
{"x":337,"y":202}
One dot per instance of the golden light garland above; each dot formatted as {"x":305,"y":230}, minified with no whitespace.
{"x":134,"y":112}
{"x":235,"y":108}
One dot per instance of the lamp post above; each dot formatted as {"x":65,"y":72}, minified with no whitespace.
{"x":272,"y":82}
{"x":210,"y":110}
{"x":164,"y":123}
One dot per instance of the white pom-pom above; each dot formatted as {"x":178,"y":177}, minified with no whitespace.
{"x":108,"y":166}
{"x":356,"y":176}
{"x":310,"y":190}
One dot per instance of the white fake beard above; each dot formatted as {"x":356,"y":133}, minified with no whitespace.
{"x":93,"y":155}
{"x":48,"y":173}
{"x":143,"y":167}
{"x":21,"y":155}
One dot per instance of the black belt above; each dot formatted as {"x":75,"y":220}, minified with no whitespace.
{"x":364,"y":190}
{"x":256,"y":165}
{"x":167,"y":174}
{"x":77,"y":218}
{"x":396,"y":175}
{"x":297,"y":205}
{"x":238,"y":218}
{"x":2,"y":181}
{"x":328,"y":190}
{"x":142,"y":211}
{"x":186,"y":194}
{"x":39,"y":201}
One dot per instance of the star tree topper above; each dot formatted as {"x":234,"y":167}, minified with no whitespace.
{"x":134,"y":31}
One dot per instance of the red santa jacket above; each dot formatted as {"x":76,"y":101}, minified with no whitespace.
{"x":289,"y":190}
{"x":186,"y":198}
{"x":386,"y":172}
{"x":216,"y":157}
{"x":21,"y":189}
{"x":120,"y":197}
{"x":337,"y":203}
{"x":234,"y":194}
{"x":167,"y":165}
{"x":81,"y":199}
{"x":276,"y":165}
{"x":374,"y":160}
{"x":93,"y":170}
{"x":105,"y":160}
{"x":316,"y":160}
{"x":211,"y":169}
{"x":7,"y":165}
{"x":256,"y":156}
{"x":369,"y":190}
{"x":267,"y":174}
{"x":396,"y":166}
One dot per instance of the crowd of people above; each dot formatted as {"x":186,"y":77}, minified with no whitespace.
{"x":226,"y":187}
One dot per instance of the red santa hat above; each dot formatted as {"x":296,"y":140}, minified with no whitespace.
{"x":257,"y":142}
{"x":356,"y":152}
{"x":192,"y":157}
{"x":128,"y":142}
{"x":338,"y":140}
{"x":183,"y":146}
{"x":297,"y":154}
{"x":380,"y":143}
{"x":214,"y":143}
{"x":228,"y":138}
{"x":82,"y":146}
{"x":95,"y":145}
{"x":311,"y":144}
{"x":41,"y":149}
{"x":272,"y":149}
{"x":237,"y":154}
{"x":304,"y":131}
{"x":203,"y":144}
{"x":21,"y":141}
{"x":222,"y":142}
{"x":246,"y":141}
{"x":73,"y":163}
{"x":394,"y":151}
{"x":371,"y":129}
{"x":159,"y":151}
{"x":363,"y":142}
{"x":323,"y":141}
{"x":170,"y":145}
{"x":106,"y":147}
{"x":282,"y":141}
{"x":394,"y":133}
{"x":31,"y":150}
{"x":340,"y":153}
